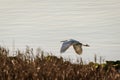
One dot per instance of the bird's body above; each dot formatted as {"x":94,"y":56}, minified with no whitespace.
{"x":76,"y":45}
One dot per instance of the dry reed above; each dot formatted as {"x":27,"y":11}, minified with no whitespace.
{"x":23,"y":67}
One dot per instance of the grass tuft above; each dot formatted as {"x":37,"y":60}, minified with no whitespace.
{"x":40,"y":67}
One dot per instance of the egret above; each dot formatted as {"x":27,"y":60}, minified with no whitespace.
{"x":76,"y":45}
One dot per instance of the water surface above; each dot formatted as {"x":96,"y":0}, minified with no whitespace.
{"x":44,"y":23}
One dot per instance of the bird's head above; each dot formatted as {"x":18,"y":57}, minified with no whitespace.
{"x":86,"y":45}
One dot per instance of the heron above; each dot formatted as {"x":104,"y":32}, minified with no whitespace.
{"x":76,"y":45}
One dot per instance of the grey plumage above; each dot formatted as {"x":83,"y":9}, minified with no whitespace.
{"x":76,"y":45}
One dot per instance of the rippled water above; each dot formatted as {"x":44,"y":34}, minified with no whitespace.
{"x":44,"y":23}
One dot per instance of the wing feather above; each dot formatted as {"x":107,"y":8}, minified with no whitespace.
{"x":78,"y":48}
{"x":65,"y":46}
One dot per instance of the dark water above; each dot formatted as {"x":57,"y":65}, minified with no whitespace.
{"x":44,"y":24}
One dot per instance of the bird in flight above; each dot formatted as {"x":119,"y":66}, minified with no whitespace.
{"x":76,"y":45}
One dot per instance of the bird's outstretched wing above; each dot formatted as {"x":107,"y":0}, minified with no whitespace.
{"x":65,"y":46}
{"x":78,"y":48}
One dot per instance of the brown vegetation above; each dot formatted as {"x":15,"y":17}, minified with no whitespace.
{"x":23,"y":67}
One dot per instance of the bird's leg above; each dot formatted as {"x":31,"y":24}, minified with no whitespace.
{"x":63,"y":41}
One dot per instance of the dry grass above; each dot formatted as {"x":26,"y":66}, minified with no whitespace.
{"x":23,"y":67}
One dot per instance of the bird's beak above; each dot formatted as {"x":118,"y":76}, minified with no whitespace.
{"x":86,"y":45}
